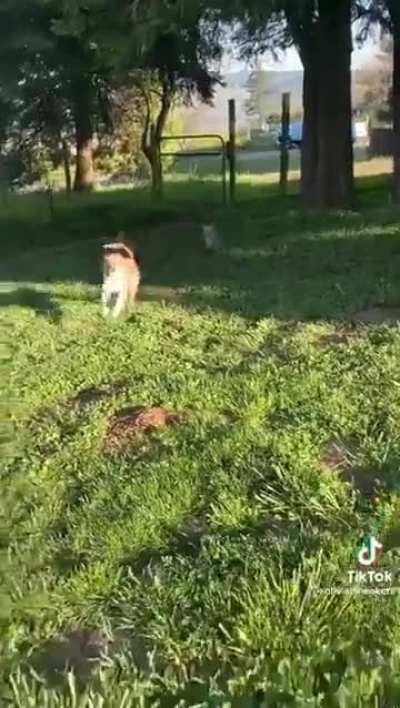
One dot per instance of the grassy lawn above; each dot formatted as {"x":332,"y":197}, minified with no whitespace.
{"x":203,"y":549}
{"x":265,"y":163}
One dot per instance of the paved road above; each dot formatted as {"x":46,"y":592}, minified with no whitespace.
{"x":254,"y":161}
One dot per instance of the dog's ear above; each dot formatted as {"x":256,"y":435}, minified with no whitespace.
{"x":127,"y":249}
{"x":131,"y":245}
{"x":137,"y":256}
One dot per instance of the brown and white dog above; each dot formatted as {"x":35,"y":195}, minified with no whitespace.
{"x":121,"y":277}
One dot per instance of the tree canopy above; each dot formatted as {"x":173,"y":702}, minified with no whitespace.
{"x":63,"y":63}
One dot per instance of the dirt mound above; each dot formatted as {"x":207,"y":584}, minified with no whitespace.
{"x":125,"y":425}
{"x":336,"y":339}
{"x":79,"y":650}
{"x":337,"y":456}
{"x":341,"y":458}
{"x":82,"y":649}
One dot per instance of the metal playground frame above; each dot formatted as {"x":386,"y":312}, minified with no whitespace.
{"x":223,"y":152}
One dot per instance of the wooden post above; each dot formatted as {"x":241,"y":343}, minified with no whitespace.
{"x":67,"y":166}
{"x":285,"y":127}
{"x":50,"y":197}
{"x":223,"y":175}
{"x":232,"y":149}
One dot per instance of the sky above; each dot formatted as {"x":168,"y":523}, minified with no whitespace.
{"x":290,"y":61}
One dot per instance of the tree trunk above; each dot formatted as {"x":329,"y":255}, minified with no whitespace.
{"x":152,"y":136}
{"x":66,"y":165}
{"x":304,"y":29}
{"x":396,"y":104}
{"x":84,"y":175}
{"x":335,"y":141}
{"x":152,"y":152}
{"x":322,"y":33}
{"x":309,"y":141}
{"x":156,"y":177}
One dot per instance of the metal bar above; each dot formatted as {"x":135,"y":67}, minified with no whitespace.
{"x":192,"y":154}
{"x":223,"y":168}
{"x":191,"y":137}
{"x":222,"y":153}
{"x":232,"y":149}
{"x":50,"y":198}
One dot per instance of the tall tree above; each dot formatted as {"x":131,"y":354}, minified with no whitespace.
{"x":334,"y":169}
{"x":373,"y":85}
{"x":88,"y":47}
{"x":394,"y":13}
{"x":321,"y":32}
{"x":80,"y":45}
{"x":386,"y":13}
{"x":179,"y":61}
{"x":43,"y":112}
{"x":258,"y":102}
{"x":72,"y":44}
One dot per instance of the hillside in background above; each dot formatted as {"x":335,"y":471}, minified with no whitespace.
{"x":204,"y":119}
{"x":278,"y":82}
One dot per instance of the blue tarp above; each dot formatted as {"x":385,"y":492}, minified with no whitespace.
{"x":296,"y":131}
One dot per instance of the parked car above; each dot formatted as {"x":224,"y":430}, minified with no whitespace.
{"x":359,"y":129}
{"x":294,"y":137}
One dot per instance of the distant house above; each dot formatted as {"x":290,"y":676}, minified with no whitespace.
{"x":360,"y":129}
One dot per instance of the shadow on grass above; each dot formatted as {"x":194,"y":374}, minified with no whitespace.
{"x":83,"y":650}
{"x":40,"y":302}
{"x":278,"y":260}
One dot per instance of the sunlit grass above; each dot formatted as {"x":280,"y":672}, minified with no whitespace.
{"x":202,"y":550}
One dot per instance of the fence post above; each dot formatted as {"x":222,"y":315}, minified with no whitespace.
{"x":50,"y":198}
{"x":285,"y":127}
{"x":232,"y":149}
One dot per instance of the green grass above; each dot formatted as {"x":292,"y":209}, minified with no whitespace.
{"x":201,"y":550}
{"x":264,"y":162}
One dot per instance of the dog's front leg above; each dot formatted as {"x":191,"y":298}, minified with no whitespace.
{"x":104,"y":301}
{"x":119,"y":305}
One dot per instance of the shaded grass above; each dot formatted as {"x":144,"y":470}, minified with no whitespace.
{"x":208,"y":543}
